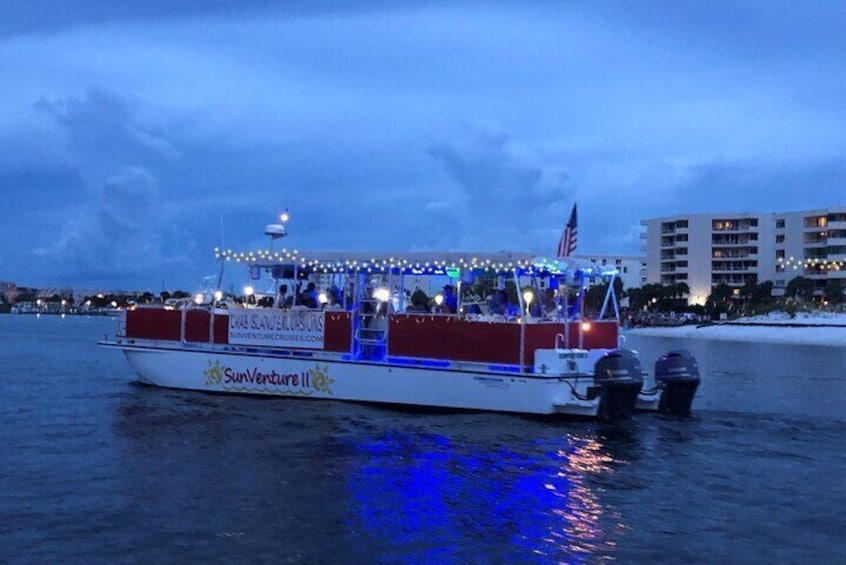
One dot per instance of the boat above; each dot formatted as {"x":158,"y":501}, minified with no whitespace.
{"x":345,"y":326}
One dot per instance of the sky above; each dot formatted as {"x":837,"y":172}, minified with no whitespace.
{"x":137,"y":136}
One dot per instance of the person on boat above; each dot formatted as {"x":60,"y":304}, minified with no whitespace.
{"x":283,"y":300}
{"x":333,"y":298}
{"x":450,"y":304}
{"x":548,"y":304}
{"x":499,"y":303}
{"x":419,"y":302}
{"x":309,"y":297}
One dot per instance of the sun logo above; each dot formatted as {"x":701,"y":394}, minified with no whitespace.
{"x":321,"y":380}
{"x":214,"y":374}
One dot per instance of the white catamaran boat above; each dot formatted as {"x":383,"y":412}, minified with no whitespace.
{"x":352,"y":332}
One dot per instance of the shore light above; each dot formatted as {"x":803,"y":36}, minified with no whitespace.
{"x":586,"y":326}
{"x":249,"y":291}
{"x":382,"y":294}
{"x":218,"y":295}
{"x":439,"y":299}
{"x":322,"y":298}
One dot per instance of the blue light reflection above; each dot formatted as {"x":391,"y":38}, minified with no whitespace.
{"x":437,"y":501}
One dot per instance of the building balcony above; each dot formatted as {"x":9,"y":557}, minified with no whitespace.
{"x":738,"y":229}
{"x":837,"y":241}
{"x":742,"y":270}
{"x":734,"y":257}
{"x":729,"y":282}
{"x":721,"y":241}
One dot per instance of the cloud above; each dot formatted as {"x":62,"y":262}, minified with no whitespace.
{"x":503,"y":190}
{"x":118,"y":234}
{"x":350,"y":114}
{"x":116,"y":228}
{"x":105,"y":129}
{"x":760,"y":185}
{"x":45,"y":16}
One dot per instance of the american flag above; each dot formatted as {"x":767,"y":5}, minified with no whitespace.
{"x":567,"y":243}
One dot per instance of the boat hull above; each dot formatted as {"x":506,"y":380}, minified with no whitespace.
{"x":325,"y":378}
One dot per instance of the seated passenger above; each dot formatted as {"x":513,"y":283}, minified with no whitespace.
{"x":283,"y":299}
{"x":450,"y":304}
{"x":419,"y":302}
{"x":309,"y":297}
{"x":499,"y":303}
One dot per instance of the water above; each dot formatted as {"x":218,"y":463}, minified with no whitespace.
{"x":95,"y":469}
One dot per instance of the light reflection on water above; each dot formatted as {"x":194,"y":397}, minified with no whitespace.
{"x":436,"y":499}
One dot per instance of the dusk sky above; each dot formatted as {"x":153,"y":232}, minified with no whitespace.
{"x":129,"y":129}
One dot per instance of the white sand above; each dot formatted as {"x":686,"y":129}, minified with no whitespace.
{"x":810,"y":335}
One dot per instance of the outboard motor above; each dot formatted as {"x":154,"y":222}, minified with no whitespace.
{"x":677,"y":376}
{"x":617,"y":378}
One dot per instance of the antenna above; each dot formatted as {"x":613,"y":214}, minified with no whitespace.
{"x":222,"y":262}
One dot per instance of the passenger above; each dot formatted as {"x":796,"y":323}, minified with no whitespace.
{"x":334,"y":296}
{"x":548,"y":305}
{"x":282,"y":301}
{"x":419,"y":302}
{"x":499,"y":303}
{"x":309,"y":297}
{"x":536,"y":310}
{"x":450,"y":304}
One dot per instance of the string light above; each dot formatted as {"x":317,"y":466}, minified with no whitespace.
{"x":523,"y":266}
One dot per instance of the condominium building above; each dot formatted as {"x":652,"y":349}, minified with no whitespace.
{"x":704,"y":250}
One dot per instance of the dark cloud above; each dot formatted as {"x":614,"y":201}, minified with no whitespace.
{"x":37,"y":186}
{"x":760,"y":185}
{"x":45,"y":16}
{"x":105,"y":129}
{"x":205,"y":110}
{"x":118,"y":235}
{"x":502,"y":189}
{"x":116,"y":227}
{"x":776,"y":28}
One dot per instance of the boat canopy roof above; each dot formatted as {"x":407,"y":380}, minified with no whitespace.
{"x":418,"y":263}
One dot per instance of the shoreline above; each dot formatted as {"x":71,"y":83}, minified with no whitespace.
{"x":786,"y":334}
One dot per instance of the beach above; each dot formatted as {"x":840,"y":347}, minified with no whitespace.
{"x":817,"y":328}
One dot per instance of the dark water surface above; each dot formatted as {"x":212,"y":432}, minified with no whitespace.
{"x":95,"y":469}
